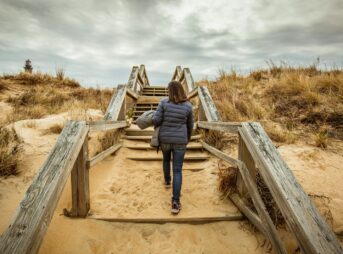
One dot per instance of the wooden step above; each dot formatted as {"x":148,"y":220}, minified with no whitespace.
{"x":137,"y":132}
{"x":155,"y":87}
{"x":194,"y":137}
{"x":174,"y":219}
{"x":150,"y":99}
{"x":190,"y":146}
{"x":160,"y":157}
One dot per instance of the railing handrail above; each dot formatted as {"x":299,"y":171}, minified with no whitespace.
{"x":35,"y":211}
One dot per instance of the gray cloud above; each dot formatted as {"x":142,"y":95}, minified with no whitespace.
{"x":97,"y":42}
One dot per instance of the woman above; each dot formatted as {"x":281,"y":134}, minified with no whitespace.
{"x":175,"y":117}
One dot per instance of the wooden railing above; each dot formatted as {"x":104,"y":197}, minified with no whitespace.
{"x":138,"y":79}
{"x":257,"y":152}
{"x":69,"y":156}
{"x":185,"y":77}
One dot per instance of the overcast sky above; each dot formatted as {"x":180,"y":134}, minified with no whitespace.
{"x":98,"y":42}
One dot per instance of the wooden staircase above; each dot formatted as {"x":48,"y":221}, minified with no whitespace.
{"x":149,"y":99}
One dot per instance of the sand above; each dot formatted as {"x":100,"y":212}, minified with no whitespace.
{"x":123,"y":188}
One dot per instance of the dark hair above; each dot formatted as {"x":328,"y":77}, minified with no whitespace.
{"x":176,"y":92}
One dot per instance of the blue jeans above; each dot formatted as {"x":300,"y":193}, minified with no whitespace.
{"x":178,"y":151}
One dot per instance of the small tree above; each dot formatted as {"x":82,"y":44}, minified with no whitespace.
{"x":28,"y":66}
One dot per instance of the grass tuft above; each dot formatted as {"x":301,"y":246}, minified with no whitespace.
{"x":10,"y":145}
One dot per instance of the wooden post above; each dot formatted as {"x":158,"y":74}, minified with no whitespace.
{"x":80,"y":184}
{"x":244,"y":156}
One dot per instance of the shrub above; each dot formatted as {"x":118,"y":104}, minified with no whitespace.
{"x":10,"y":145}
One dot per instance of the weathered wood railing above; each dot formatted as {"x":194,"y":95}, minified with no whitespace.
{"x":69,"y":156}
{"x":256,"y":152}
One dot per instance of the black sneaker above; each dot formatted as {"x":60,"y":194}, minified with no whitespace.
{"x":167,"y":185}
{"x":176,"y":207}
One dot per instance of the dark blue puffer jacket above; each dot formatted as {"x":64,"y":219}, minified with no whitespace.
{"x":175,"y":121}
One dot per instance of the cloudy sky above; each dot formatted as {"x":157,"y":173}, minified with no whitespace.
{"x":98,"y":42}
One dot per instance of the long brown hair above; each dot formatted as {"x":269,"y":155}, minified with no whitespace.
{"x":176,"y":92}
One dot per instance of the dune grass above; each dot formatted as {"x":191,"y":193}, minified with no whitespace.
{"x":39,"y":101}
{"x":10,"y":145}
{"x":288,"y":101}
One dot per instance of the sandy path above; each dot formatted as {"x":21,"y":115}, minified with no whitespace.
{"x":121,"y":187}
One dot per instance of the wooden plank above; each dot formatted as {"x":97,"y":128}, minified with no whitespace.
{"x":159,"y":158}
{"x":104,"y":125}
{"x":189,"y":79}
{"x":32,"y":217}
{"x":177,"y":73}
{"x":148,"y":147}
{"x":192,"y":93}
{"x":132,"y":94}
{"x":133,"y":78}
{"x":194,"y":137}
{"x":116,"y":104}
{"x":175,"y":219}
{"x":220,"y":154}
{"x":144,"y":75}
{"x":252,"y":217}
{"x":99,"y":157}
{"x":149,"y":99}
{"x":231,"y":127}
{"x":211,"y":112}
{"x":245,"y":156}
{"x":302,"y":217}
{"x":271,"y":231}
{"x":80,"y":184}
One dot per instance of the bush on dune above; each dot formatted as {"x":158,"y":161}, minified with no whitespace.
{"x":39,"y":101}
{"x":39,"y":78}
{"x":10,"y":145}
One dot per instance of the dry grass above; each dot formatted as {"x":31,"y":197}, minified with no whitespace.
{"x":60,"y":73}
{"x":214,"y":138}
{"x":227,"y":178}
{"x":39,"y":78}
{"x":299,"y":99}
{"x":3,"y":85}
{"x":39,"y":101}
{"x":108,"y":139}
{"x":10,"y":145}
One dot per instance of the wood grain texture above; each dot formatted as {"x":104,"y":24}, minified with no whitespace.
{"x":80,"y":184}
{"x":114,"y":108}
{"x":188,"y":79}
{"x":231,"y":127}
{"x":177,"y":73}
{"x":99,"y":157}
{"x":302,"y":217}
{"x":192,"y":93}
{"x":220,"y":154}
{"x":210,"y":110}
{"x":32,"y":217}
{"x":251,"y":216}
{"x":133,"y":78}
{"x":106,"y":125}
{"x":144,"y":75}
{"x":175,"y":219}
{"x":271,"y":231}
{"x":132,"y":93}
{"x":245,"y":156}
